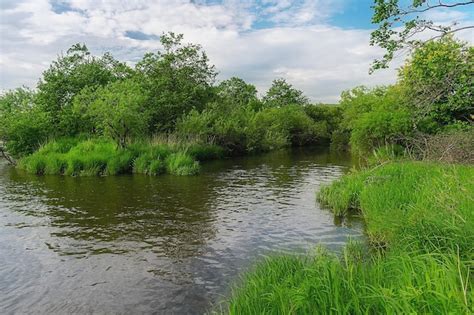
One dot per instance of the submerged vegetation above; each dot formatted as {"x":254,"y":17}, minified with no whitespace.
{"x":420,"y":223}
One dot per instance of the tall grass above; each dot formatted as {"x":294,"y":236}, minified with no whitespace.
{"x":420,"y":223}
{"x":92,"y":157}
{"x":427,"y":205}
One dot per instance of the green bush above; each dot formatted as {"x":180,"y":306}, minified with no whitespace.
{"x":242,"y":129}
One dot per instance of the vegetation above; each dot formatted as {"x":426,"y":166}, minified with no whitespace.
{"x":170,"y":93}
{"x":399,"y":23}
{"x":419,"y":215}
{"x":101,"y":156}
{"x":432,"y":96}
{"x":419,"y":220}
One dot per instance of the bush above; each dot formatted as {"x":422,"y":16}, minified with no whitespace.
{"x":449,"y":147}
{"x":239,"y":130}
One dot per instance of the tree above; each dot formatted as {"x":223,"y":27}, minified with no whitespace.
{"x":68,"y":75}
{"x":438,"y":79}
{"x":178,"y":79}
{"x":399,"y":22}
{"x":236,"y":91}
{"x":23,"y":127}
{"x":119,"y":110}
{"x":282,"y":93}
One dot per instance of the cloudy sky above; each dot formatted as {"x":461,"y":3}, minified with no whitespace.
{"x":320,"y":46}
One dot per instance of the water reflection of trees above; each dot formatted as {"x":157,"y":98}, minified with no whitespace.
{"x":170,"y":215}
{"x":114,"y":214}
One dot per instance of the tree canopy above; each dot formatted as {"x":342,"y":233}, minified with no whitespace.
{"x":400,"y":22}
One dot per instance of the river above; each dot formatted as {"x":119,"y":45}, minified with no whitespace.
{"x":167,"y":245}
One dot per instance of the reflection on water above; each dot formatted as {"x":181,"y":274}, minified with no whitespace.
{"x":157,"y":244}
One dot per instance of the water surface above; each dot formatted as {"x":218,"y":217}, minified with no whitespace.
{"x":165,"y":245}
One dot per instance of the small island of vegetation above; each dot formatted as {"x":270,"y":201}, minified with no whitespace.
{"x":98,"y":116}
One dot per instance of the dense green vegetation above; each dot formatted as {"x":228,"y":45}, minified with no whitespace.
{"x":86,"y":157}
{"x":420,"y":223}
{"x":433,"y":96}
{"x":170,"y":93}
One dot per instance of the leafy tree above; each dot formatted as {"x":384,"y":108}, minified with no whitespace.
{"x":119,"y":110}
{"x":178,"y":79}
{"x":374,"y":117}
{"x":400,"y":21}
{"x":237,"y":91}
{"x":282,"y":93}
{"x":438,"y":80}
{"x":23,"y":127}
{"x":68,"y":75}
{"x":330,"y":115}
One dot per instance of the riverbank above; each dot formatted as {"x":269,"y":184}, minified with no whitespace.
{"x":92,"y":157}
{"x":420,"y":225}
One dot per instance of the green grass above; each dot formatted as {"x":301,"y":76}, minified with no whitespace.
{"x":92,"y":157}
{"x":181,"y":164}
{"x":397,"y":283}
{"x":427,"y":205}
{"x":420,"y":223}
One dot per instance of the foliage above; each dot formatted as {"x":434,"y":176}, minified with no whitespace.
{"x":433,"y":95}
{"x":282,"y":93}
{"x":67,"y":76}
{"x":237,"y":92}
{"x":178,"y":79}
{"x":117,"y":109}
{"x":242,"y":129}
{"x":400,"y":21}
{"x":438,"y":79}
{"x":374,"y":118}
{"x":329,"y":116}
{"x":23,"y":127}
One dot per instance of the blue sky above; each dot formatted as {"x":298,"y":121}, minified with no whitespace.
{"x":320,"y":46}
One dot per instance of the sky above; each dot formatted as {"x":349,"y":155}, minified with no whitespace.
{"x":319,"y":46}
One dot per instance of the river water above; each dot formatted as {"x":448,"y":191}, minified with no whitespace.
{"x":167,"y":245}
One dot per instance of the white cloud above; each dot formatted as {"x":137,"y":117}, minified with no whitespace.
{"x":315,"y":57}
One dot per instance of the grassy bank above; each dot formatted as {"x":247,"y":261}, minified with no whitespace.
{"x":89,"y":157}
{"x":420,"y":223}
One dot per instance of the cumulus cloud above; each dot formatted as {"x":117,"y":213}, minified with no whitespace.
{"x":255,"y":40}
